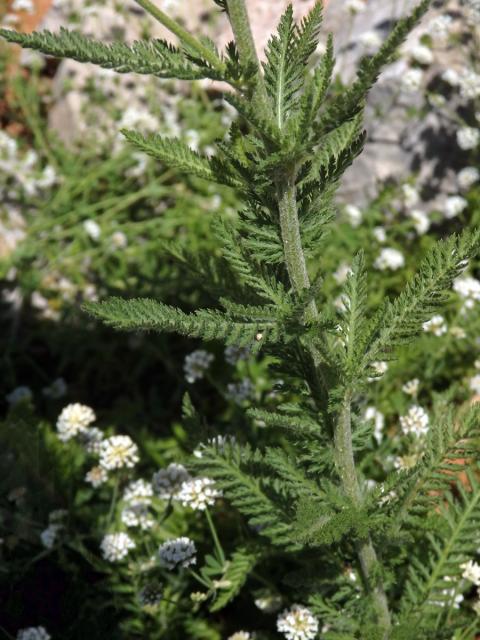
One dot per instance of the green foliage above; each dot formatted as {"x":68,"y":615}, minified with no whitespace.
{"x":300,"y":482}
{"x":155,"y":57}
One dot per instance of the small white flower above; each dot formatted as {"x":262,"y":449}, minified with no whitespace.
{"x":421,"y":54}
{"x":198,"y":493}
{"x":471,"y":572}
{"x":196,"y":363}
{"x":380,"y":368}
{"x":341,"y":274}
{"x":96,"y":477}
{"x":74,"y":419}
{"x":420,"y":220}
{"x":389,"y":259}
{"x":92,"y":229}
{"x":180,"y":551}
{"x":168,"y":482}
{"x":297,"y":623}
{"x":33,"y":633}
{"x":412,"y":80}
{"x":370,"y":40}
{"x":415,"y":422}
{"x":411,"y":387}
{"x":138,"y":491}
{"x":355,"y":6}
{"x":49,"y":535}
{"x":439,"y":28}
{"x":23,"y":5}
{"x":470,"y":85}
{"x":241,"y":635}
{"x":234,"y":354}
{"x":404,"y":463}
{"x":380,"y":234}
{"x":436,"y":325}
{"x":116,"y":546}
{"x":468,"y":177}
{"x":269,"y":603}
{"x":137,"y":515}
{"x":19,"y":394}
{"x":119,"y":240}
{"x":469,"y":289}
{"x":468,"y":138}
{"x":117,"y":452}
{"x":377,"y":416}
{"x":410,"y":195}
{"x":91,"y":438}
{"x":354,"y":215}
{"x":474,"y":385}
{"x":451,"y":77}
{"x":454,"y":205}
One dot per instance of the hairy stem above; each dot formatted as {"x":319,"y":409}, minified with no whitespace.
{"x":182,"y":34}
{"x":239,"y":20}
{"x":298,"y":274}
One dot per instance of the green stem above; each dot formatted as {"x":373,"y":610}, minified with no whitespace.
{"x":240,"y":22}
{"x":298,"y":274}
{"x":113,"y":503}
{"x":216,"y":541}
{"x":182,"y":34}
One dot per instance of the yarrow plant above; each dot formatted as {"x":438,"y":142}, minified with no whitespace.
{"x":388,"y":561}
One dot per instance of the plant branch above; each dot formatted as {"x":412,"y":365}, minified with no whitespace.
{"x":298,"y":274}
{"x":182,"y":34}
{"x":240,"y":22}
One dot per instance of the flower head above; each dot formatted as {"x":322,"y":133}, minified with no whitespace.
{"x":198,"y":493}
{"x":137,"y":515}
{"x":389,"y":259}
{"x":297,"y":623}
{"x":33,"y":633}
{"x":168,"y":482}
{"x":241,"y":635}
{"x":435,"y":325}
{"x":181,"y":551}
{"x":196,"y":363}
{"x":468,"y":177}
{"x":138,"y":491}
{"x":415,"y":422}
{"x":474,"y":385}
{"x":412,"y":80}
{"x":74,"y":419}
{"x":469,"y":289}
{"x":96,"y":476}
{"x":471,"y":571}
{"x":411,"y":387}
{"x":118,"y":452}
{"x":454,"y":205}
{"x":468,"y":138}
{"x":354,"y":215}
{"x":150,"y":595}
{"x":116,"y":546}
{"x":49,"y":535}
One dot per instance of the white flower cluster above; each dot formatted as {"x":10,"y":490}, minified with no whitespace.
{"x":454,"y":205}
{"x":96,"y":476}
{"x":268,"y":602}
{"x":241,"y":391}
{"x":469,"y":289}
{"x":436,"y":325}
{"x":181,"y":551}
{"x":118,"y":452}
{"x":74,"y":419}
{"x":241,"y":635}
{"x":389,"y":259}
{"x":297,"y":623}
{"x":198,"y":493}
{"x":440,"y":27}
{"x":138,"y":496}
{"x":416,"y":421}
{"x":168,"y":482}
{"x":234,"y":354}
{"x":421,"y":54}
{"x":355,"y":6}
{"x":411,"y":387}
{"x":471,"y":572}
{"x":412,"y":80}
{"x":354,"y":215}
{"x":33,"y":633}
{"x":116,"y":546}
{"x":138,"y":491}
{"x":467,"y":177}
{"x":468,"y":138}
{"x":196,"y":363}
{"x":420,"y":220}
